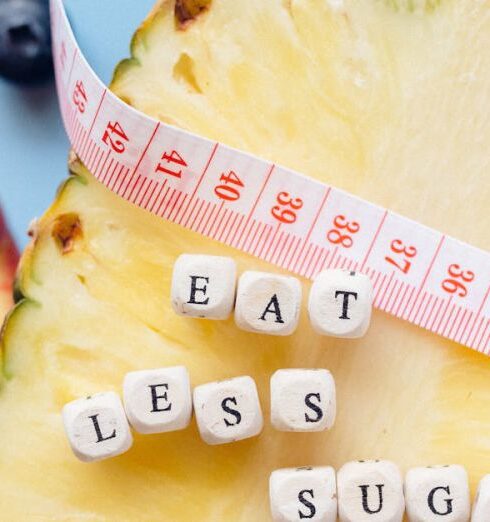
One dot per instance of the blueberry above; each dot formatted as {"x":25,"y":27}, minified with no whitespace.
{"x":25,"y":40}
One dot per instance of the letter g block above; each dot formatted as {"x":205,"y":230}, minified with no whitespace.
{"x":204,"y":286}
{"x":437,"y":493}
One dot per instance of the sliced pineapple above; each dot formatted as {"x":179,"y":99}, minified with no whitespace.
{"x":386,"y":99}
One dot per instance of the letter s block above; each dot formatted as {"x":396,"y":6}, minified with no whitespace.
{"x":303,"y":400}
{"x":158,"y":401}
{"x":203,"y":286}
{"x":340,"y":303}
{"x":228,"y":411}
{"x":303,"y":493}
{"x":370,"y":491}
{"x":97,"y":427}
{"x":268,"y":303}
{"x":437,"y":493}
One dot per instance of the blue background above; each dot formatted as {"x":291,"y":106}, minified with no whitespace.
{"x":33,"y":145}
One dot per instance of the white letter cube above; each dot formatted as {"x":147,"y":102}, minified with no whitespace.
{"x":481,"y":507}
{"x":303,"y":400}
{"x":340,"y":303}
{"x":204,"y":286}
{"x":97,"y":427}
{"x":157,"y":401}
{"x":268,"y":303}
{"x":370,"y":490}
{"x":437,"y":493}
{"x":228,"y":411}
{"x":303,"y":493}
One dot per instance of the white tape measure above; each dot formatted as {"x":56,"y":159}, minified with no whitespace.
{"x":271,"y":212}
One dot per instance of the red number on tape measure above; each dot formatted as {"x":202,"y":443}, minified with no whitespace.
{"x":408,"y":252}
{"x":79,"y":96}
{"x":115,"y":136}
{"x":173,"y":157}
{"x":229,"y":192}
{"x":335,"y":235}
{"x":452,"y":285}
{"x":286,"y":215}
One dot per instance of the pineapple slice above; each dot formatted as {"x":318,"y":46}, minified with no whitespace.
{"x":387,"y":99}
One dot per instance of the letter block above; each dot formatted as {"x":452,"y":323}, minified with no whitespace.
{"x":228,"y":411}
{"x":303,"y":400}
{"x":437,"y":493}
{"x":481,"y":507}
{"x":303,"y":493}
{"x":340,"y":303}
{"x":268,"y":303}
{"x":157,"y":401}
{"x":370,"y":490}
{"x":204,"y":286}
{"x":97,"y":427}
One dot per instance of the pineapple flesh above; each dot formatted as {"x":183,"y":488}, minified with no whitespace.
{"x":386,"y":99}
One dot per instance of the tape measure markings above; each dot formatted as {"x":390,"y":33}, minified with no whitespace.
{"x":269,"y":211}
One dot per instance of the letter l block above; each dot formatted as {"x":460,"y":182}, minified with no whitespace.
{"x":97,"y":427}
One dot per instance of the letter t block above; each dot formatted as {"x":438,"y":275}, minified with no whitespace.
{"x":204,"y":286}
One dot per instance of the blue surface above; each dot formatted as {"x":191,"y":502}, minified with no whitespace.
{"x":33,"y":145}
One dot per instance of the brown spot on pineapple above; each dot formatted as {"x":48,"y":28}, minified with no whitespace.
{"x":186,"y":11}
{"x":66,"y":231}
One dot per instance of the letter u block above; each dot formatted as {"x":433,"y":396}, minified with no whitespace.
{"x":203,"y":286}
{"x":370,"y":491}
{"x":228,"y":411}
{"x":97,"y":427}
{"x":437,"y":493}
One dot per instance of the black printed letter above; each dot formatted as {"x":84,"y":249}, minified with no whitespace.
{"x":155,"y":397}
{"x":195,"y":289}
{"x":100,"y":437}
{"x":273,"y":308}
{"x":314,"y":407}
{"x":448,"y":501}
{"x":233,"y":412}
{"x":345,"y":302}
{"x":365,"y":503}
{"x":306,"y":503}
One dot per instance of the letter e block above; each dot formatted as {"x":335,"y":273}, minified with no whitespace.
{"x":340,"y":303}
{"x":268,"y":303}
{"x":204,"y":286}
{"x":370,"y":491}
{"x":157,"y":401}
{"x":303,"y":400}
{"x":228,"y":411}
{"x":97,"y":427}
{"x":437,"y":493}
{"x":303,"y":493}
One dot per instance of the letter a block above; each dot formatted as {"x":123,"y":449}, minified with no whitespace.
{"x":437,"y":493}
{"x":97,"y":427}
{"x":268,"y":303}
{"x":303,"y":400}
{"x":303,"y":493}
{"x":157,"y":401}
{"x":204,"y":286}
{"x":228,"y":411}
{"x":481,"y":507}
{"x":340,"y":303}
{"x":370,"y":491}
